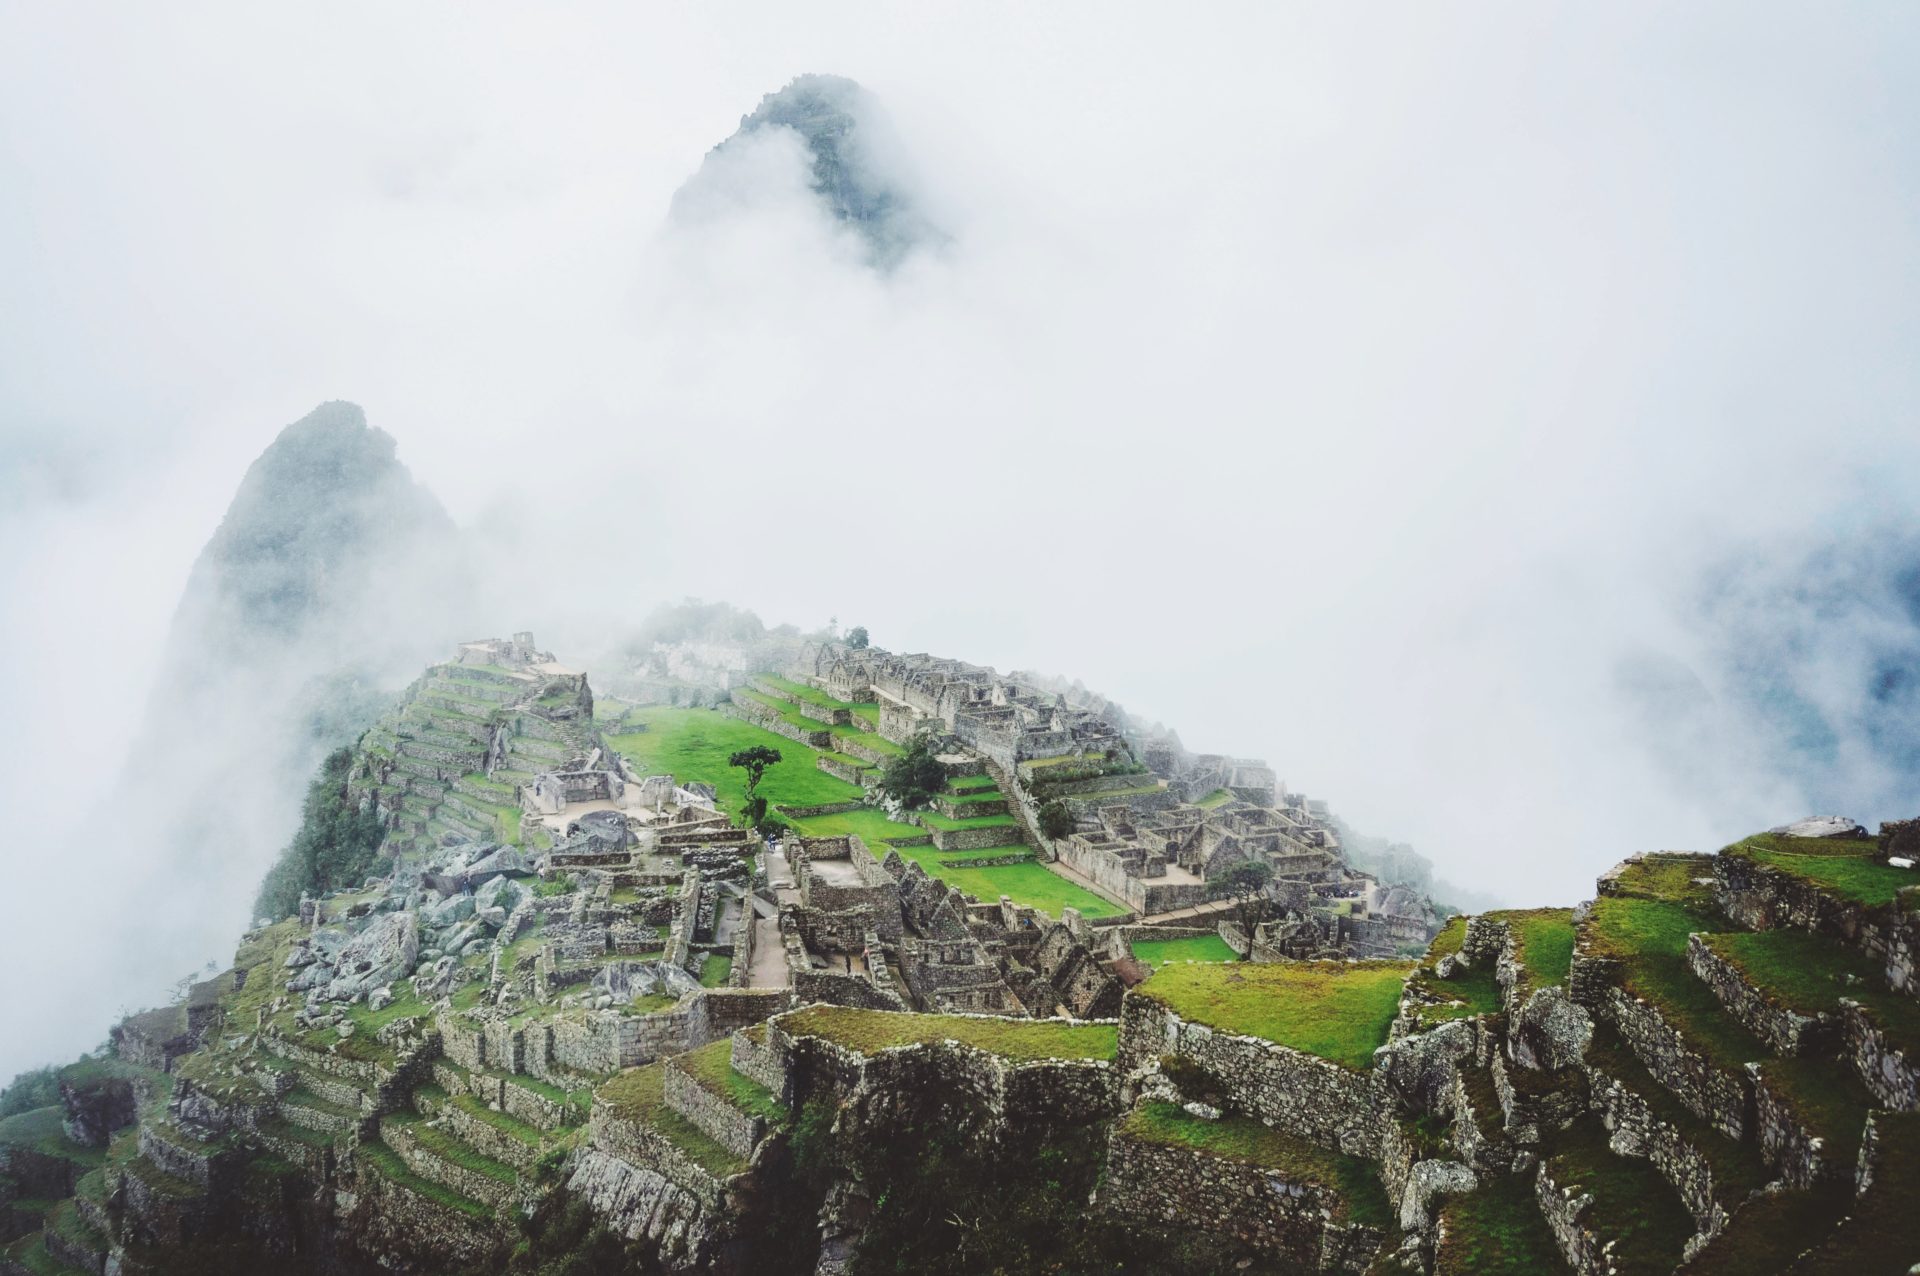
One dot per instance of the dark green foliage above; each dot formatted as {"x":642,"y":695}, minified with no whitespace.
{"x":754,"y":762}
{"x":857,"y":637}
{"x":1055,"y":819}
{"x":1246,"y":885}
{"x":562,"y":1239}
{"x":915,"y":776}
{"x":337,"y":844}
{"x":36,"y":1088}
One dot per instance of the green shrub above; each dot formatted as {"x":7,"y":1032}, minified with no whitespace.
{"x":337,"y":845}
{"x":915,"y":776}
{"x":1055,"y":819}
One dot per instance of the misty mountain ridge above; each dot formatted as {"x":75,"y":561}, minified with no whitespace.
{"x":855,"y":168}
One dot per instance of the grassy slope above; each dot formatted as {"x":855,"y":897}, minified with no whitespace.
{"x":1337,"y":1010}
{"x":1158,"y":952}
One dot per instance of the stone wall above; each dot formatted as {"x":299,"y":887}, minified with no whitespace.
{"x":1639,"y":1131}
{"x":1760,"y":897}
{"x":1785,"y":1031}
{"x":1259,"y":1208}
{"x":1338,"y":1108}
{"x":1711,"y":1094}
{"x":1890,"y":1075}
{"x":732,"y":1129}
{"x":1786,"y":1140}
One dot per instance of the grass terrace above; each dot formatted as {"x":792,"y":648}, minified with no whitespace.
{"x":40,"y":1130}
{"x":1810,"y":973}
{"x":1632,"y":1203}
{"x":387,"y":1164}
{"x":1543,"y":941}
{"x":870,"y":1031}
{"x":711,"y":1066}
{"x":1883,"y":1232}
{"x":1449,"y":940}
{"x":1671,"y":876}
{"x":1219,"y":797}
{"x":1497,"y":1231}
{"x":1158,"y":952}
{"x":1241,"y":1139}
{"x":639,"y":1094}
{"x":1649,"y":938}
{"x":1845,"y":867}
{"x":1032,"y":885}
{"x":934,"y":820}
{"x":694,"y":744}
{"x":1828,"y":1096}
{"x":1737,"y":1167}
{"x":1339,"y":1011}
{"x":1770,"y":1231}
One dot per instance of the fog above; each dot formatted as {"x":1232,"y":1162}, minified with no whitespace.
{"x":1502,"y":420}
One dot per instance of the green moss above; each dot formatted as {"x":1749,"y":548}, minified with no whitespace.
{"x":1158,"y":952}
{"x":868,"y":1031}
{"x":1354,"y":1181}
{"x":1337,"y":1010}
{"x":1670,"y":876}
{"x":712,"y":1067}
{"x":1497,"y":1231}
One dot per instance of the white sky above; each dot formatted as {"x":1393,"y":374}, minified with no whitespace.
{"x":1346,"y":386}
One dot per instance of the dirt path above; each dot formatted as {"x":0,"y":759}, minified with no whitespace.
{"x":769,"y":958}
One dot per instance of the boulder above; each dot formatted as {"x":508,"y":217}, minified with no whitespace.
{"x":380,"y":998}
{"x":450,"y":911}
{"x":1551,"y":1031}
{"x":500,"y":892}
{"x":1821,"y":826}
{"x":503,"y":860}
{"x":385,"y":951}
{"x":1427,"y":1180}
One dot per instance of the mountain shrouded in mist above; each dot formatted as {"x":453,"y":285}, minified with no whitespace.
{"x":331,"y":579}
{"x":852,"y":165}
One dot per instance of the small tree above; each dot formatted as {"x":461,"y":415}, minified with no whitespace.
{"x":857,"y":637}
{"x":1246,"y":885}
{"x":1055,"y":819}
{"x":915,"y":776}
{"x":754,"y":762}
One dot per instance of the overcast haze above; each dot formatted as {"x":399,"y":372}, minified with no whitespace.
{"x":1456,"y":408}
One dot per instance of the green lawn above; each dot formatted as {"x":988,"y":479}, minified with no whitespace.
{"x":694,"y":744}
{"x":934,"y":820}
{"x":812,"y":695}
{"x":870,"y":824}
{"x":1337,"y":1010}
{"x":1158,"y":952}
{"x":868,"y":1031}
{"x":1353,"y":1180}
{"x":1845,"y":867}
{"x":1031,"y":885}
{"x":714,"y":970}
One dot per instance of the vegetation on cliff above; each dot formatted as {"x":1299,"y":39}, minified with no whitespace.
{"x":336,"y":846}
